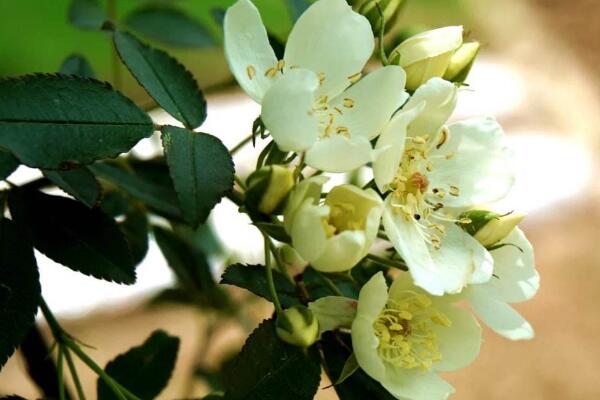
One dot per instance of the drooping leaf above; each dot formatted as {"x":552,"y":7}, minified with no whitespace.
{"x":59,"y":121}
{"x":164,"y":78}
{"x":83,"y":239}
{"x":144,"y":370}
{"x":19,"y":287}
{"x":269,"y":369}
{"x":170,"y":26}
{"x":8,"y":163}
{"x":201,"y":168}
{"x":75,"y":64}
{"x":358,"y":386}
{"x":79,"y":183}
{"x":86,"y":14}
{"x":148,"y":181}
{"x":253,"y":278}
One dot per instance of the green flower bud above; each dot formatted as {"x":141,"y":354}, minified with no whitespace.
{"x":427,"y":54}
{"x":489,"y":227}
{"x":461,"y":62}
{"x":368,"y":8}
{"x":297,"y":326}
{"x":268,"y":188}
{"x":290,"y":257}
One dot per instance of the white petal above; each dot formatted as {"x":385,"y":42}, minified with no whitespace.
{"x":459,"y":343}
{"x":308,"y":188}
{"x":481,"y":165}
{"x":499,"y":316}
{"x":341,"y":252}
{"x":307,"y":232}
{"x":339,"y":154}
{"x":247,"y":48}
{"x":390,"y":147}
{"x":516,"y":278}
{"x":440,"y":98}
{"x":459,"y":261}
{"x":372,"y":298}
{"x":430,"y":44}
{"x":330,"y":39}
{"x":368,"y":105}
{"x":333,"y":312}
{"x":415,"y":384}
{"x":287,"y":110}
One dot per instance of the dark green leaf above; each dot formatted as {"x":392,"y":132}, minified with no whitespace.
{"x":86,"y":14}
{"x":83,"y":239}
{"x":144,"y":370}
{"x":166,"y":80}
{"x":148,"y":181}
{"x":79,"y":183}
{"x":276,"y":231}
{"x":337,"y":348}
{"x":77,"y":65}
{"x":317,"y":288}
{"x":202,"y":238}
{"x":213,"y":397}
{"x":269,"y":369}
{"x":169,"y":26}
{"x":218,"y":15}
{"x":253,"y":278}
{"x":58,"y":121}
{"x":8,"y":163}
{"x":19,"y":288}
{"x":350,"y":367}
{"x":297,"y":7}
{"x":12,"y":397}
{"x":201,"y":168}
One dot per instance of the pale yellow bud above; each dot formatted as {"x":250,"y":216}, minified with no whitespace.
{"x":427,"y":54}
{"x":368,"y":8}
{"x":290,"y":258}
{"x":461,"y":62}
{"x":297,"y":326}
{"x":268,"y":188}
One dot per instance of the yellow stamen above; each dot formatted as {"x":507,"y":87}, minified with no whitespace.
{"x":251,"y":71}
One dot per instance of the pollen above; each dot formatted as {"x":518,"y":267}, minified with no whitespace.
{"x":454,"y":191}
{"x":271,"y":72}
{"x":355,"y":78}
{"x":405,"y":329}
{"x":342,"y":130}
{"x":348,"y":102}
{"x":280,"y":65}
{"x":250,"y":71}
{"x":444,"y":134}
{"x":321,"y":77}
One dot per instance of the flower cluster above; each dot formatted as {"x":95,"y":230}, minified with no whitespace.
{"x":433,"y":184}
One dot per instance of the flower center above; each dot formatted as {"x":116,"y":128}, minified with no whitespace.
{"x":414,"y":197}
{"x":405,"y":329}
{"x":342,"y":217}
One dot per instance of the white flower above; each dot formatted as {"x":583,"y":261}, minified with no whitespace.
{"x":434,"y":172}
{"x":404,"y":338}
{"x":308,"y":103}
{"x":335,"y":235}
{"x":515,"y":280}
{"x":427,"y":55}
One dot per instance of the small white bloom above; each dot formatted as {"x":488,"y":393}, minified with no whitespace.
{"x":314,"y":100}
{"x":404,"y":338}
{"x":515,"y":280}
{"x":434,"y":172}
{"x":427,"y":55}
{"x":335,"y":235}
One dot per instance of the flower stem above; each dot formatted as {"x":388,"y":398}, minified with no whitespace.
{"x":329,"y":283}
{"x":240,"y":145}
{"x":386,"y":261}
{"x":384,"y":59}
{"x":269,"y":272}
{"x":60,"y":373}
{"x":74,"y":375}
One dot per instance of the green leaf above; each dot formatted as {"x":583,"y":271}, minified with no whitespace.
{"x":83,"y":239}
{"x":79,"y":183}
{"x":164,"y":78}
{"x":253,"y":278}
{"x":75,"y":64}
{"x":201,"y":168}
{"x":144,"y":370}
{"x":350,"y":367}
{"x":276,"y":231}
{"x":336,"y":349}
{"x":297,"y":7}
{"x":170,"y":26}
{"x":19,"y":288}
{"x":59,"y":121}
{"x":148,"y":181}
{"x":269,"y":369}
{"x":8,"y":163}
{"x":86,"y":14}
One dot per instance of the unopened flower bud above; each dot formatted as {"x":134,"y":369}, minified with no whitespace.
{"x":368,"y":8}
{"x":461,"y":62}
{"x":489,"y":227}
{"x":290,"y":257}
{"x":427,"y":54}
{"x":297,"y":326}
{"x":268,"y":188}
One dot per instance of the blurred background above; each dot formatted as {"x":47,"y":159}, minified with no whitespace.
{"x":538,"y":73}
